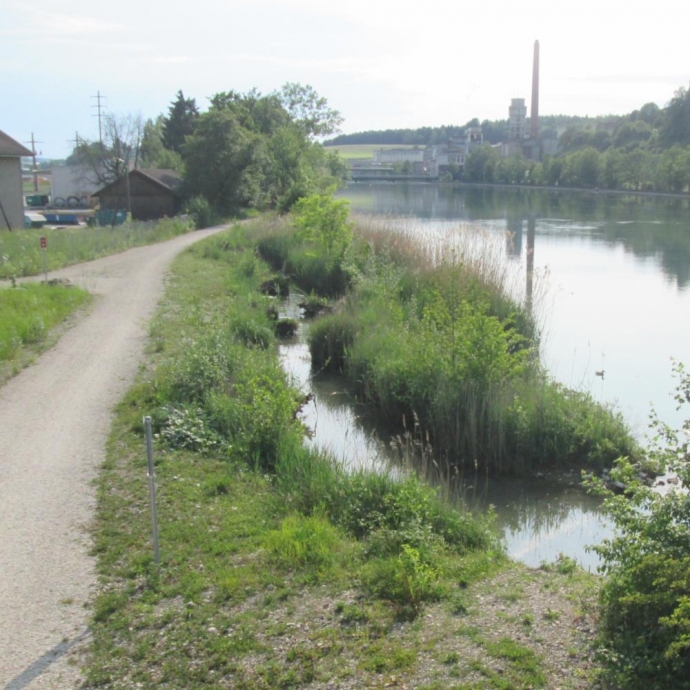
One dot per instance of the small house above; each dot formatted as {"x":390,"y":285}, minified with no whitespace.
{"x":11,"y":189}
{"x":148,"y":193}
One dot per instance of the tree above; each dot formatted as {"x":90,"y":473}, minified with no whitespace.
{"x":110,"y":159}
{"x":182,"y":117}
{"x":249,"y":151}
{"x":223,"y":162}
{"x":675,"y":128}
{"x":631,"y":134}
{"x":673,"y":172}
{"x":309,"y":110}
{"x":480,"y":164}
{"x":153,"y":153}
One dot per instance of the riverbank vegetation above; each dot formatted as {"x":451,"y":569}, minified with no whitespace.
{"x":279,"y":568}
{"x":434,"y":342}
{"x":645,"y":600}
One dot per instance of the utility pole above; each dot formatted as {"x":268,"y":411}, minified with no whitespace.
{"x":33,"y":143}
{"x":99,"y":107}
{"x":74,"y":141}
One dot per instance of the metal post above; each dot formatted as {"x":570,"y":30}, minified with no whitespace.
{"x":152,"y":489}
{"x":44,"y":249}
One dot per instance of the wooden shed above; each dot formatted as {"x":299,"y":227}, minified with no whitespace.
{"x":153,"y":193}
{"x":11,"y":189}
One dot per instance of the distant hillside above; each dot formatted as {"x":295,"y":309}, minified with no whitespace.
{"x":494,"y":131}
{"x":650,"y":126}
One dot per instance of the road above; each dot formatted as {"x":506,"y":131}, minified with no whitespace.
{"x":54,"y":420}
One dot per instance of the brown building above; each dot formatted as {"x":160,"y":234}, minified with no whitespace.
{"x":148,"y":193}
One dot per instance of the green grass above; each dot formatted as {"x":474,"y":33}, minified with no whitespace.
{"x":21,"y":254}
{"x":278,"y":568}
{"x":29,"y":312}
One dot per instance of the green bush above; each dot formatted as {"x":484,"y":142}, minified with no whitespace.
{"x":407,"y":579}
{"x":201,"y":211}
{"x":329,"y":340}
{"x":645,"y":601}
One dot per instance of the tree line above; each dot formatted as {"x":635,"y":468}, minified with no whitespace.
{"x":246,"y":150}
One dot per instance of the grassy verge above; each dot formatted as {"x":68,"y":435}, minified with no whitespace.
{"x":28,"y":316}
{"x":278,"y":568}
{"x":21,"y":253}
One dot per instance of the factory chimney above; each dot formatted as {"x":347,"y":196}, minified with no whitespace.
{"x":534,"y":115}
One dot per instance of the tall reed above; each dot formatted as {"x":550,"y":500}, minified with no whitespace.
{"x":435,"y":327}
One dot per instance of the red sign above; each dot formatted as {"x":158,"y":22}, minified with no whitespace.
{"x":44,"y":242}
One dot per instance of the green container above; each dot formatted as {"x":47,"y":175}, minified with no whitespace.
{"x":35,"y":200}
{"x":108,"y":216}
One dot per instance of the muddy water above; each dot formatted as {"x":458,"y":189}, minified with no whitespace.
{"x":538,"y":519}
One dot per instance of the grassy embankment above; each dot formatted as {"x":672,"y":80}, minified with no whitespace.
{"x":21,"y":253}
{"x":280,"y":569}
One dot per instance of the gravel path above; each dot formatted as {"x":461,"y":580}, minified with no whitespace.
{"x":54,"y":420}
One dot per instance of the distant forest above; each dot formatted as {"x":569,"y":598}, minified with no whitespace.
{"x":495,"y":131}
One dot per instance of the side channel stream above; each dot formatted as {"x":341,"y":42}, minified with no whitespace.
{"x":539,"y":519}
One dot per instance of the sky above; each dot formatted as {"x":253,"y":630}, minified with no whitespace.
{"x":382,"y":63}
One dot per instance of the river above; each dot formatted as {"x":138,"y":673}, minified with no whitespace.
{"x":614,"y":297}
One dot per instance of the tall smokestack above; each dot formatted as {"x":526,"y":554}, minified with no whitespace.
{"x":534,"y":115}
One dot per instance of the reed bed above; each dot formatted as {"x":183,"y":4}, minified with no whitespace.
{"x":435,"y":324}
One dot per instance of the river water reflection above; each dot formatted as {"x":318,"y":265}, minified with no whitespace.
{"x":618,"y":267}
{"x":618,"y":300}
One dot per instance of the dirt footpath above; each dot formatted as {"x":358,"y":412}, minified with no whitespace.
{"x":54,"y":420}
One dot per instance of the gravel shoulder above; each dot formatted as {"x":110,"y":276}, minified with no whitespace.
{"x":54,"y":420}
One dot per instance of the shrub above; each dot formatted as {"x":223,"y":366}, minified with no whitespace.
{"x":201,"y":211}
{"x":645,"y":601}
{"x":187,"y":429}
{"x":407,"y":579}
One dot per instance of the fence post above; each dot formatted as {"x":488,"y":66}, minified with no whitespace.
{"x":152,"y":489}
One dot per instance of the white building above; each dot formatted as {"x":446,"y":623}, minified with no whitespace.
{"x":393,"y":156}
{"x":517,"y":119}
{"x":75,"y":182}
{"x":11,"y":190}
